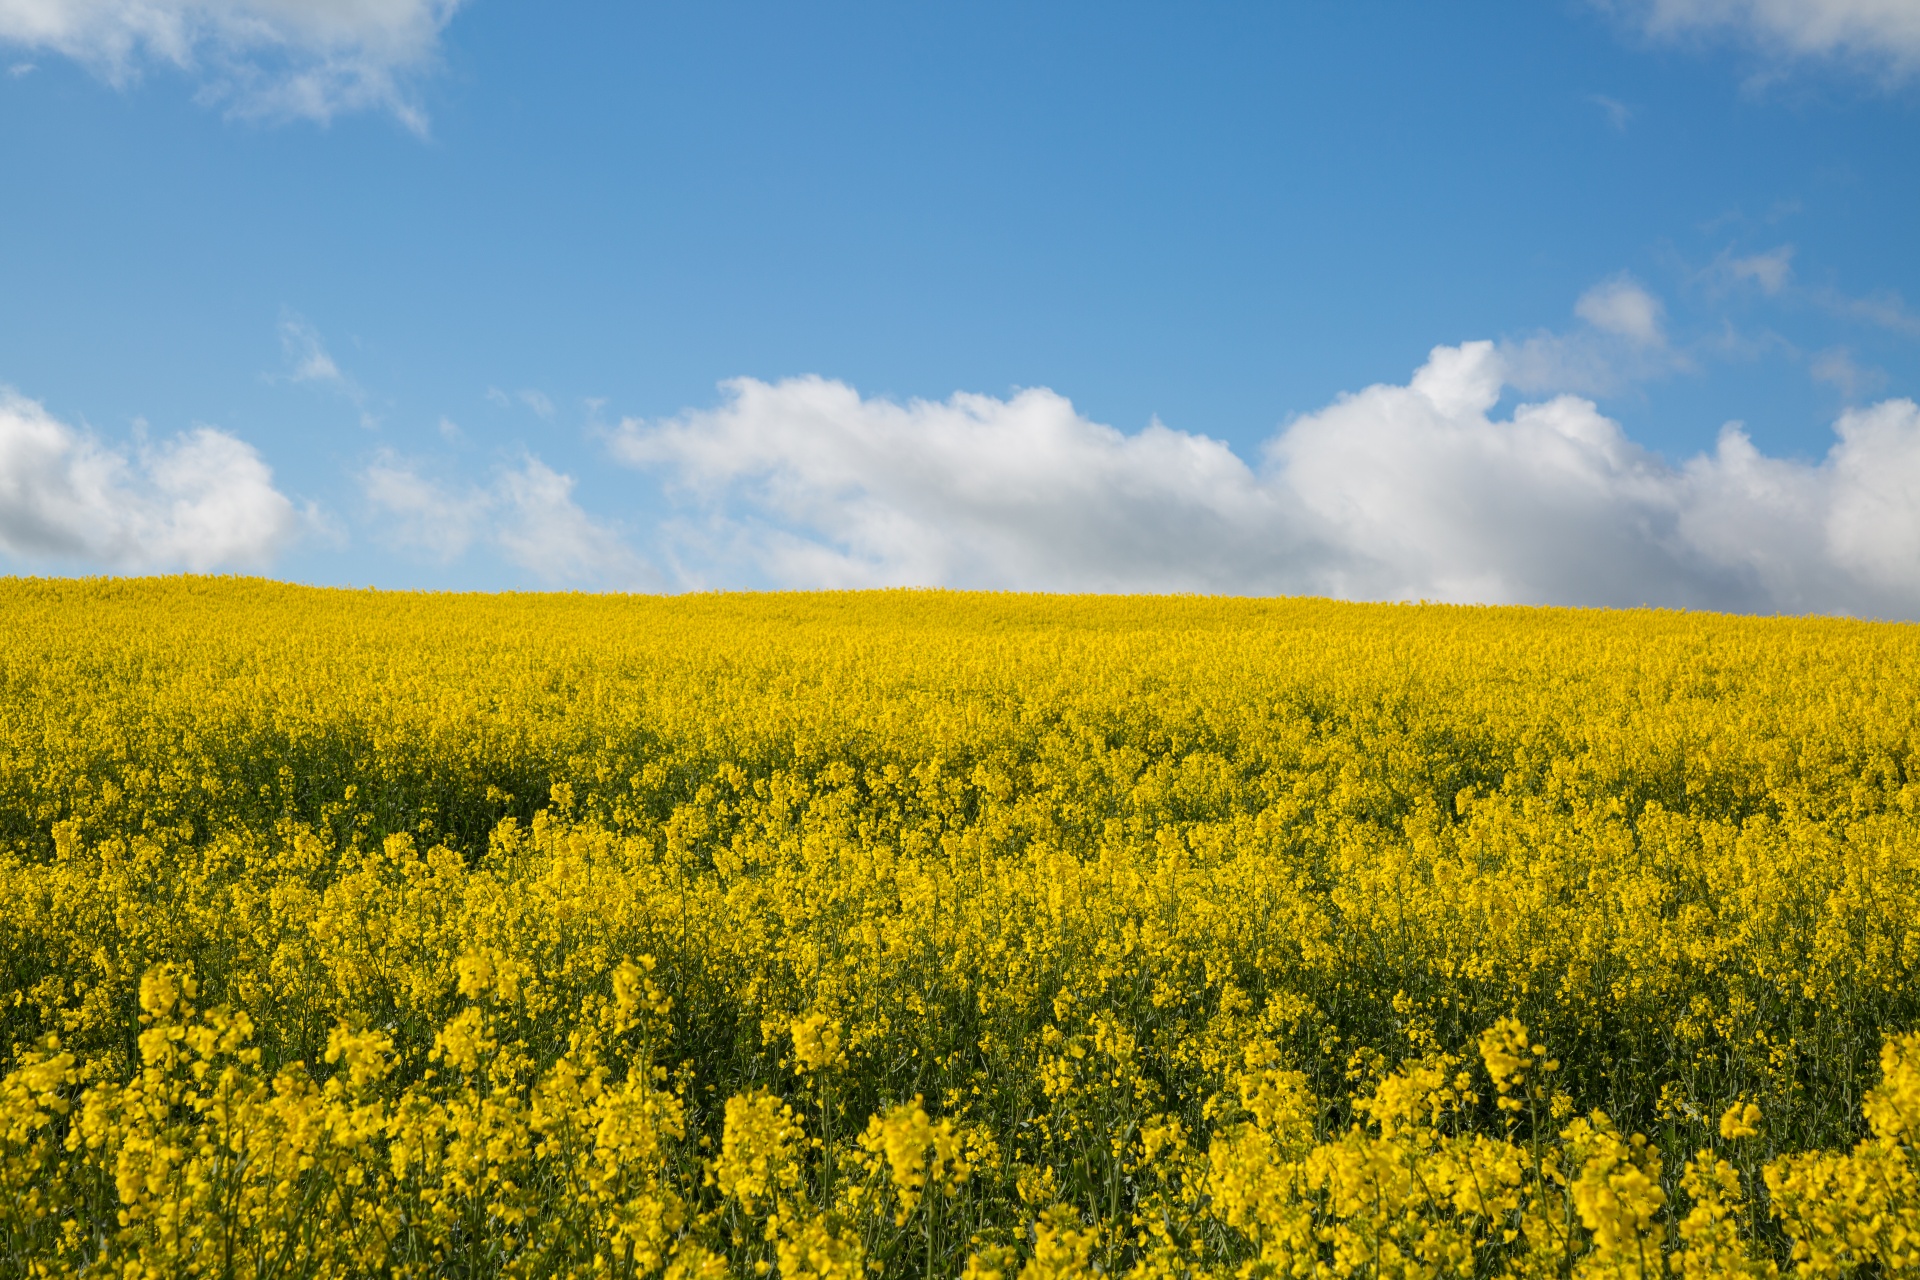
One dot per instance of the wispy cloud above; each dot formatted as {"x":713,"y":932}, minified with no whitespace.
{"x":202,"y":500}
{"x":1622,"y":339}
{"x":527,"y":512}
{"x":1881,"y":36}
{"x":1393,"y":492}
{"x":1624,"y":308}
{"x":312,"y":60}
{"x":1770,"y":272}
{"x":307,"y":357}
{"x":528,"y":397}
{"x":1837,"y":368}
{"x":1884,"y":309}
{"x":309,"y":361}
{"x":544,"y":530}
{"x":422,"y":515}
{"x":1617,"y":112}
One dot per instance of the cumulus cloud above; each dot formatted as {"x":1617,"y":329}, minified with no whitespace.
{"x":527,"y":513}
{"x":1884,"y":34}
{"x":311,"y":59}
{"x":841,"y":491}
{"x":203,"y":500}
{"x":1395,"y":492}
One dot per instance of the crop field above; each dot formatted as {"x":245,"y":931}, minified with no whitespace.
{"x":918,"y":934}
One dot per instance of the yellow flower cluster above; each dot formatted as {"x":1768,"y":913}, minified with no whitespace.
{"x":918,"y":934}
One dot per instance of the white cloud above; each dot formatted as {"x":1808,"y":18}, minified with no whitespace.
{"x":1771,"y":271}
{"x":309,"y":59}
{"x":1842,"y":535}
{"x":841,"y":491}
{"x":544,"y":530}
{"x":1885,"y":309}
{"x":1623,"y":308}
{"x":203,"y":500}
{"x":1618,"y":112}
{"x":309,"y":361}
{"x":527,"y":513}
{"x":533,"y":398}
{"x":1395,"y":492}
{"x":1622,"y":339}
{"x":1837,"y":367}
{"x":421,"y":514}
{"x":1884,"y":34}
{"x":306,"y":355}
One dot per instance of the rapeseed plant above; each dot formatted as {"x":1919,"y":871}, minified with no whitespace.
{"x":916,"y":934}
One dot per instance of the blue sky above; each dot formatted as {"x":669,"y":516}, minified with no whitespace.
{"x":417,"y":294}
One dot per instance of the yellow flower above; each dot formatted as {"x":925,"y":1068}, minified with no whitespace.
{"x":1742,"y":1120}
{"x":818,"y":1043}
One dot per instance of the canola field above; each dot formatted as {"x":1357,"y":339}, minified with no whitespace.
{"x":934,"y":935}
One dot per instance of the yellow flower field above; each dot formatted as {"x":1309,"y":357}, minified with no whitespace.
{"x":924,"y":934}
